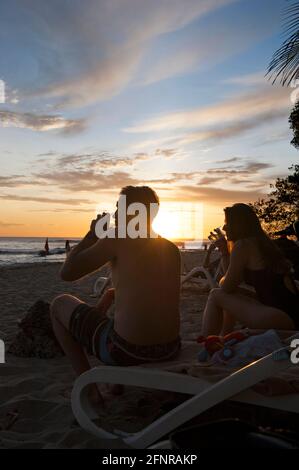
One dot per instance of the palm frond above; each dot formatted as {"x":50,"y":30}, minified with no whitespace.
{"x":284,"y":65}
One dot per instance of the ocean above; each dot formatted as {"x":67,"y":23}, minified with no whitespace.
{"x":18,"y":250}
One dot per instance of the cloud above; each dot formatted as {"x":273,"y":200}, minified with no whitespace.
{"x":275,"y":137}
{"x":9,"y":224}
{"x":210,"y":180}
{"x":41,"y":123}
{"x":65,"y":209}
{"x":87,"y":180}
{"x":166,"y":152}
{"x":95,"y":53}
{"x":237,"y":113}
{"x":11,"y":197}
{"x":248,"y":168}
{"x":10,"y":181}
{"x":240,"y":174}
{"x":222,"y":121}
{"x":251,"y":79}
{"x":181,"y":62}
{"x":215,"y":195}
{"x":228,"y":160}
{"x":99,"y":160}
{"x":200,"y":49}
{"x":16,"y":181}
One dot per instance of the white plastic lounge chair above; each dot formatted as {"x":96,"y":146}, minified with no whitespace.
{"x":210,"y":273}
{"x":234,"y":387}
{"x":100,"y":285}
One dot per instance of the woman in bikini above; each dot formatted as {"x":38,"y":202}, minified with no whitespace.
{"x":257,"y":261}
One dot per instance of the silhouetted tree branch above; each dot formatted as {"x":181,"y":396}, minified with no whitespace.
{"x":279,"y":209}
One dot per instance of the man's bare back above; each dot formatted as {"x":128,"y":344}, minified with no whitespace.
{"x":146,"y":277}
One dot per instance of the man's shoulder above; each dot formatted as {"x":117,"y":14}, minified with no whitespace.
{"x":172,"y":247}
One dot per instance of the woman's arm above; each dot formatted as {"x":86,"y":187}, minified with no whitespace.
{"x":237,"y":263}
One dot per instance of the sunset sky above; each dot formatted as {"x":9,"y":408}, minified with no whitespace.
{"x":100,"y":94}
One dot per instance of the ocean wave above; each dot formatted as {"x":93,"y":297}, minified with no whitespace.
{"x":24,"y":251}
{"x":62,"y":240}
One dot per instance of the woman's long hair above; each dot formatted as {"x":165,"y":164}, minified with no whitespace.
{"x":242,"y":222}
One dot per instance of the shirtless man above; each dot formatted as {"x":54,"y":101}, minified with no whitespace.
{"x":146,"y":279}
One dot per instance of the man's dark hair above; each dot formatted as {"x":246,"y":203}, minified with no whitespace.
{"x":143,"y":194}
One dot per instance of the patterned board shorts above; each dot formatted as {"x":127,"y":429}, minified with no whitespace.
{"x":95,"y":332}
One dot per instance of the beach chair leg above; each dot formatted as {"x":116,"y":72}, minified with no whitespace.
{"x":205,"y":396}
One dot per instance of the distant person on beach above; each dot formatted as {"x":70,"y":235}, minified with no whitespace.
{"x":67,"y":247}
{"x":146,"y":279}
{"x":257,"y":261}
{"x":46,"y":250}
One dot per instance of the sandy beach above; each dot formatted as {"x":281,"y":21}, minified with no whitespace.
{"x":36,"y":392}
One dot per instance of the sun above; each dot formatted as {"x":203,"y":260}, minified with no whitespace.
{"x":167,"y":224}
{"x":180,"y":221}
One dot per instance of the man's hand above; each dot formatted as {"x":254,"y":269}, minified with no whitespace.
{"x":92,"y":234}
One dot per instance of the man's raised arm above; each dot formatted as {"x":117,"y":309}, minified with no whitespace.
{"x":89,"y":255}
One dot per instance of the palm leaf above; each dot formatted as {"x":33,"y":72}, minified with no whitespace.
{"x":284,"y":65}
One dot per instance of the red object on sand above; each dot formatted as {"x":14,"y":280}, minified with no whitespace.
{"x":215,"y":343}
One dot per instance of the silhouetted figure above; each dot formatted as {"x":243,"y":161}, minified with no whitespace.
{"x":251,"y":257}
{"x":47,"y":247}
{"x":67,"y":247}
{"x":46,"y":250}
{"x":146,"y":273}
{"x":290,"y":250}
{"x":292,"y":229}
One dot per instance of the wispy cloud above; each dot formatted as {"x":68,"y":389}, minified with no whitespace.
{"x":13,"y":181}
{"x":65,"y":209}
{"x":274,"y":137}
{"x":9,"y":224}
{"x":215,"y":195}
{"x":166,"y":152}
{"x":251,"y":79}
{"x":104,"y":42}
{"x":12,"y":197}
{"x":228,"y":160}
{"x":247,"y":168}
{"x":200,"y":49}
{"x":99,"y":160}
{"x":246,"y":172}
{"x":235,"y":112}
{"x":41,"y":123}
{"x":86,"y":180}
